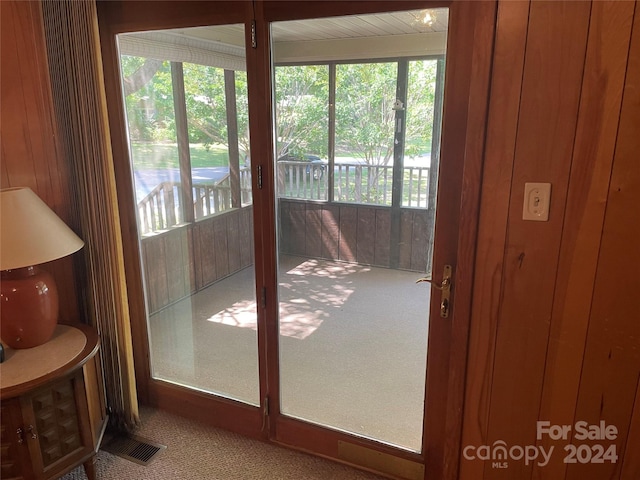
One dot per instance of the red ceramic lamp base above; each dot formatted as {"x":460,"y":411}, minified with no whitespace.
{"x":28,"y":307}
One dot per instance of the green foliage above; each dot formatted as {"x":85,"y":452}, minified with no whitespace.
{"x":421,"y":95}
{"x":365,"y":94}
{"x":365,"y":119}
{"x":302,"y":109}
{"x":150,"y":109}
{"x":207,"y":108}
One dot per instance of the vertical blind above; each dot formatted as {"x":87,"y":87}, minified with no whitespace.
{"x":80,"y":107}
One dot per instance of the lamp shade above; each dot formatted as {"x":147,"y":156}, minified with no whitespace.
{"x":31,"y":233}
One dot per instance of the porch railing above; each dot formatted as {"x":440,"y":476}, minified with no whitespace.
{"x":353,"y":183}
{"x":215,"y":197}
{"x":160,"y":208}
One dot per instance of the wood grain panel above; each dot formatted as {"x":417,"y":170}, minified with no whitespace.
{"x":4,"y":173}
{"x":233,"y":237}
{"x":174,"y":268}
{"x":134,"y":16}
{"x":365,"y":235}
{"x":155,"y":273}
{"x":631,"y":460}
{"x":221,"y":246}
{"x":246,"y":236}
{"x":466,"y":224}
{"x":472,"y":31}
{"x":297,"y":234}
{"x":313,"y":227}
{"x":382,"y":247}
{"x":207,"y":264}
{"x":611,"y":368}
{"x":30,"y":153}
{"x":406,"y":238}
{"x":553,"y":68}
{"x":330,"y":232}
{"x":19,"y":79}
{"x":419,"y":241}
{"x":196,"y":234}
{"x":348,"y":233}
{"x":174,"y":258}
{"x":12,"y":455}
{"x":284,"y":220}
{"x":601,"y":98}
{"x":188,"y":252}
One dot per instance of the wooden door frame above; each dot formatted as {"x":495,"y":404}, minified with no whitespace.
{"x":469,"y":56}
{"x":115,"y":17}
{"x":472,"y":26}
{"x":472,"y":30}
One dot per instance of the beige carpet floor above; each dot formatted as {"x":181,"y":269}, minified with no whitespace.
{"x":198,"y":452}
{"x":353,"y":344}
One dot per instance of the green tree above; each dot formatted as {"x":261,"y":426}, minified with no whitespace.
{"x":207,"y":105}
{"x":365,"y":94}
{"x":148,"y":99}
{"x":302,"y":109}
{"x":365,"y":119}
{"x":421,"y":94}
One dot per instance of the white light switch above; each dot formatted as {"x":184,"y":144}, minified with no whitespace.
{"x":537,"y":197}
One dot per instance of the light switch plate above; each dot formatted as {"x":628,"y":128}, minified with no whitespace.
{"x":537,"y":197}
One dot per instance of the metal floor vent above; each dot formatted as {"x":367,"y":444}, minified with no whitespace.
{"x":136,"y":449}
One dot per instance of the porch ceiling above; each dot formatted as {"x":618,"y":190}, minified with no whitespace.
{"x":352,"y":26}
{"x":409,"y":33}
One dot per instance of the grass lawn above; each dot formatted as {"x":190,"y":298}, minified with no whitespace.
{"x":165,"y":155}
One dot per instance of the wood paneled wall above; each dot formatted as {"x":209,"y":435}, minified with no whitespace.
{"x":187,"y":259}
{"x":354,"y":233}
{"x":30,"y":153}
{"x":555,"y":333}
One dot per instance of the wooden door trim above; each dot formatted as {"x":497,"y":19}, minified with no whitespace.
{"x":275,"y":10}
{"x":469,"y":56}
{"x":324,"y":441}
{"x":264,"y":216}
{"x":207,"y":408}
{"x":124,"y":16}
{"x":126,"y":201}
{"x":468,"y":74}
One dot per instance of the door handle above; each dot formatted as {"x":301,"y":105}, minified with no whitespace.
{"x":444,"y":287}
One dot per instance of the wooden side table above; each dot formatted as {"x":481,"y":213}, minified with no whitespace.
{"x":53,"y":406}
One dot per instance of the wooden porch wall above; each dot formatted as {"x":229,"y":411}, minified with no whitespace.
{"x":187,"y":259}
{"x":354,"y":233}
{"x":184,"y":260}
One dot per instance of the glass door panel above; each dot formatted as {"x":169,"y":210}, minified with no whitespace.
{"x":353,"y":325}
{"x":187,"y":115}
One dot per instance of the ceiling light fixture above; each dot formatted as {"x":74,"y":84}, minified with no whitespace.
{"x":424,"y":18}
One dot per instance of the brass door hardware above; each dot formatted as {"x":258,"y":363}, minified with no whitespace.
{"x":444,"y":287}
